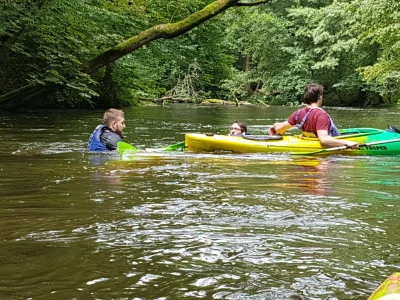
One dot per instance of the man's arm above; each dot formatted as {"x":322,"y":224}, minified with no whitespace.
{"x":328,"y":141}
{"x":279,"y":128}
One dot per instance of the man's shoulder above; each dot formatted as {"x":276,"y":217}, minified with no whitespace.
{"x":110,"y":134}
{"x":110,"y":139}
{"x":319,"y":112}
{"x":292,"y":117}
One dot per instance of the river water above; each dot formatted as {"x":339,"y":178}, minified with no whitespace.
{"x":76,"y":225}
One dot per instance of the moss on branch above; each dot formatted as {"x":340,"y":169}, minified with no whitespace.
{"x":166,"y":31}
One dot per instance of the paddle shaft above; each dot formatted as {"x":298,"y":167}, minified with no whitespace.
{"x":348,"y":147}
{"x":363,"y":145}
{"x":177,"y":146}
{"x":122,"y":147}
{"x":174,"y":147}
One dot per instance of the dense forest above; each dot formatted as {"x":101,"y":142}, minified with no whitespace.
{"x":103,"y":53}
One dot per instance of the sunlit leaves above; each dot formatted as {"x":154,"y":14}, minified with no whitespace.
{"x":378,"y":24}
{"x":293,"y":43}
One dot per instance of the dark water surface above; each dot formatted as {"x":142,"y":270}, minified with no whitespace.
{"x":76,"y":225}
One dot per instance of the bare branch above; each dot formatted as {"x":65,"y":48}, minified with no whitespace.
{"x":253,"y":3}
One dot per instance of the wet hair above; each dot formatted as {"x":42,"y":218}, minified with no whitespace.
{"x":312,"y":92}
{"x":243,"y":127}
{"x":112,"y":115}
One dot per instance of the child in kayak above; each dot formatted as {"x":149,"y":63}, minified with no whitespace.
{"x":106,"y":136}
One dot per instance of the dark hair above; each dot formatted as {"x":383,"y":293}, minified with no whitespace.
{"x":243,"y":127}
{"x":312,"y":92}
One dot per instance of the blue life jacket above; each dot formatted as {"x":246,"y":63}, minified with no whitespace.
{"x":333,"y":131}
{"x":94,"y":143}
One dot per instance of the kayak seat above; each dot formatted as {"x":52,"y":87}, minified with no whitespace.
{"x":393,"y":128}
{"x":262,"y":137}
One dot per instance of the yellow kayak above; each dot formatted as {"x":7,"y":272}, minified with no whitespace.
{"x":388,"y":290}
{"x":296,"y":143}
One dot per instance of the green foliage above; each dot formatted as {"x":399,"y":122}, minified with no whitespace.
{"x":294,"y":43}
{"x":350,"y":46}
{"x":276,"y":60}
{"x":377,"y":26}
{"x":235,"y":87}
{"x":54,"y":38}
{"x":51,"y":40}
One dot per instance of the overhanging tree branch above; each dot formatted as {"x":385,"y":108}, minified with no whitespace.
{"x":166,"y":31}
{"x":18,"y":98}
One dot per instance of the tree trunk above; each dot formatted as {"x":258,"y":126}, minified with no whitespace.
{"x":174,"y":99}
{"x":107,"y":89}
{"x":246,"y":63}
{"x":20,"y":98}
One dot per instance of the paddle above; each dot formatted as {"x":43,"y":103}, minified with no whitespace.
{"x":174,"y":147}
{"x":347,"y":147}
{"x":122,"y":147}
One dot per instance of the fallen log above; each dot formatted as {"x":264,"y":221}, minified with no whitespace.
{"x":171,"y":98}
{"x":225,"y":102}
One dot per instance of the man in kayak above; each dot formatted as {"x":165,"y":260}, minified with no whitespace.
{"x":313,"y":121}
{"x":238,"y":128}
{"x":107,"y":135}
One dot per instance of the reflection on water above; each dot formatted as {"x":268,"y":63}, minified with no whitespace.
{"x":314,"y":175}
{"x":181,"y":225}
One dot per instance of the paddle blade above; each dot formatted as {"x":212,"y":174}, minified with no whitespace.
{"x":122,"y":147}
{"x":176,"y":147}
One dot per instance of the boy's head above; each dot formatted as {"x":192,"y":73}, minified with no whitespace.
{"x":238,"y":128}
{"x":114,"y":118}
{"x":312,"y":93}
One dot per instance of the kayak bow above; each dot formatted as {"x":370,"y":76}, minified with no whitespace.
{"x":388,"y":290}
